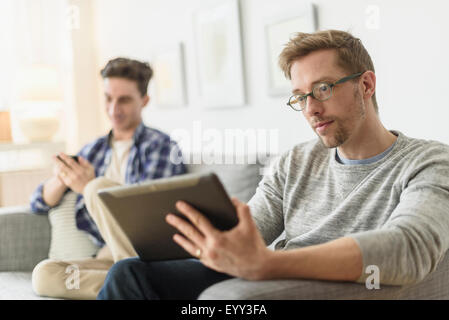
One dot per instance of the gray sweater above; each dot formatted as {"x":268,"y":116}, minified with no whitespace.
{"x":397,"y":208}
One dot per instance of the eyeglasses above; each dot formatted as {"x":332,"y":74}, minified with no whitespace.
{"x":321,"y":91}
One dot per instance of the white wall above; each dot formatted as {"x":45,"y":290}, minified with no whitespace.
{"x":409,"y":49}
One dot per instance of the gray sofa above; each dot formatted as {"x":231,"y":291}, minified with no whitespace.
{"x":25,"y":240}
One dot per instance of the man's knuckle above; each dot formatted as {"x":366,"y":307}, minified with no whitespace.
{"x":183,"y":229}
{"x":190,"y":232}
{"x":217,"y":242}
{"x":212,"y":253}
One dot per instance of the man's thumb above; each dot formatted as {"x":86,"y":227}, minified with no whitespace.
{"x":83,"y":161}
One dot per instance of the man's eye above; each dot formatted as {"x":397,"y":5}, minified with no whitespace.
{"x":297,"y":99}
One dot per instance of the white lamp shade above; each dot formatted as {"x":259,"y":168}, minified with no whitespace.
{"x":39,"y":129}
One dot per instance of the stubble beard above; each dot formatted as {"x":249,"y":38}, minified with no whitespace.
{"x":340,"y":137}
{"x":342,"y":131}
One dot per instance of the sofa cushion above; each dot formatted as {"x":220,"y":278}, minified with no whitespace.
{"x":17,"y":286}
{"x":24,"y":238}
{"x":239,"y":180}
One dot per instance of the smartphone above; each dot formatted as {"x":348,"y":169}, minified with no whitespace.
{"x":73,"y":157}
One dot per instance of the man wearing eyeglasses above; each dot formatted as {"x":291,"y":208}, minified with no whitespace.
{"x":358,"y":196}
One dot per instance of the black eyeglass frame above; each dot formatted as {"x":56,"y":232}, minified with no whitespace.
{"x":331,"y":85}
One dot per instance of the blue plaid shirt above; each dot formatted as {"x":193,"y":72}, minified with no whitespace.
{"x":149,"y":158}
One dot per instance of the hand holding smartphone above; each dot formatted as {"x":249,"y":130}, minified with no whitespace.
{"x":73,"y":157}
{"x":74,"y":176}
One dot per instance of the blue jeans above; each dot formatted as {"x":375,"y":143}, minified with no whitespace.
{"x":175,"y":279}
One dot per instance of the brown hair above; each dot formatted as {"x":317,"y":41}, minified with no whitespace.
{"x":351,"y":54}
{"x":140,"y":72}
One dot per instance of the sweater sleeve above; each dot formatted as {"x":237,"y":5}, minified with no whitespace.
{"x":267,"y":203}
{"x":415,"y":238}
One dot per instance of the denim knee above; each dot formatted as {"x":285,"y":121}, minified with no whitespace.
{"x":119,"y":282}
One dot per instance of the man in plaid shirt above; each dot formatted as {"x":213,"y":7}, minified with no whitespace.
{"x":148,"y":159}
{"x":130,"y":153}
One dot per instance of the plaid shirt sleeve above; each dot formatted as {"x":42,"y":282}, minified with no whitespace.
{"x":169,"y":162}
{"x":161,"y":158}
{"x":37,"y":202}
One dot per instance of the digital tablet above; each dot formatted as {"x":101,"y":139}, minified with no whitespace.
{"x":140,"y":210}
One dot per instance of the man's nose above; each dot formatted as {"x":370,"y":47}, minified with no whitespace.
{"x":114,"y":107}
{"x":313,"y":106}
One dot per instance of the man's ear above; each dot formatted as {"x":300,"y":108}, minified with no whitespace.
{"x":369,"y":84}
{"x":146,"y":100}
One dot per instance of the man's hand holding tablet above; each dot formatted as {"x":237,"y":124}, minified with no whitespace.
{"x":240,"y":252}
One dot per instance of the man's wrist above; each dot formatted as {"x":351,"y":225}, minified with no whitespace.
{"x":52,"y":191}
{"x":268,"y":267}
{"x":58,"y":183}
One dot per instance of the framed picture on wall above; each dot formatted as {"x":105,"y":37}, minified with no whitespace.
{"x":278,"y":31}
{"x":218,"y":52}
{"x":169,"y":77}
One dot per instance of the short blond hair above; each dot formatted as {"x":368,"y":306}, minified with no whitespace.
{"x":351,"y":54}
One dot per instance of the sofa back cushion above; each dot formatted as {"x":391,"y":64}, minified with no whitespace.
{"x":239,"y":180}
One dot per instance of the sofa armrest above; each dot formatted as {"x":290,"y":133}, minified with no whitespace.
{"x":24,"y":238}
{"x":434,"y":286}
{"x":239,"y":289}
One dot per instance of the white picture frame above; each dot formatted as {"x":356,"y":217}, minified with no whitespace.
{"x":169,"y":88}
{"x":278,"y":31}
{"x":218,"y":52}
